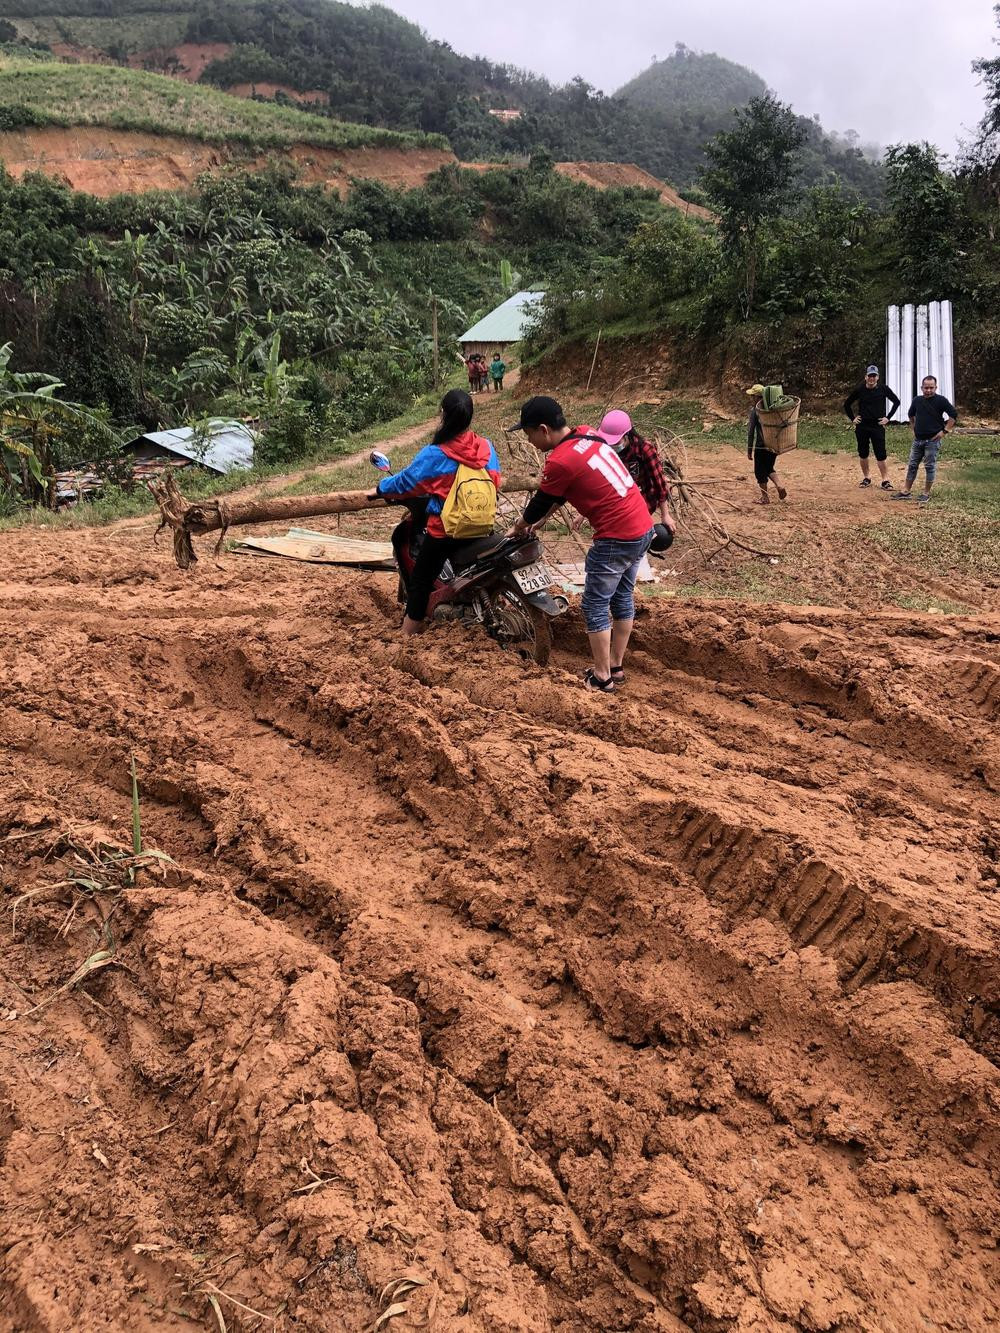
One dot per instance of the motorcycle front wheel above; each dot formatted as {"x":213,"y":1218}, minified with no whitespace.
{"x":517,"y":624}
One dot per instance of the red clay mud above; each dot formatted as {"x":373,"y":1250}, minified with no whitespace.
{"x":549,"y":1011}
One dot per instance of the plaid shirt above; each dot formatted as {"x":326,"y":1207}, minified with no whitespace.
{"x":643,"y":462}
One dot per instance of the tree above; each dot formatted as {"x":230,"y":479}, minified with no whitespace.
{"x":981,"y":159}
{"x":751,"y":180}
{"x":927,"y":214}
{"x":989,"y":126}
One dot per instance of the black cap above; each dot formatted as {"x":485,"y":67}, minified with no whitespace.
{"x":540,"y":411}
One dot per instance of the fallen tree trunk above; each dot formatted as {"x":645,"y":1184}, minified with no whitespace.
{"x":187,"y":519}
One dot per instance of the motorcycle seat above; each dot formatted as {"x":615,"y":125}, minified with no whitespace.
{"x":476,"y":550}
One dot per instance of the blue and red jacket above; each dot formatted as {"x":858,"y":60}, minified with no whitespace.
{"x":432,"y":473}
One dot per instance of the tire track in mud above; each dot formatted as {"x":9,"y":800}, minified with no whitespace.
{"x":575,"y":1009}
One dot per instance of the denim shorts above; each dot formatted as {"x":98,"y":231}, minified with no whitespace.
{"x":612,"y":567}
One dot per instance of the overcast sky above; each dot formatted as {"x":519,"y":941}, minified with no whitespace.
{"x":894,"y":70}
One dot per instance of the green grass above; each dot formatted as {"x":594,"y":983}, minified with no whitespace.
{"x":49,"y":93}
{"x":942,"y":606}
{"x":751,"y":582}
{"x":135,"y":32}
{"x":938,"y":539}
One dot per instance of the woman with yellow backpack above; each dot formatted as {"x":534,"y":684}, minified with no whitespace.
{"x":459,"y":475}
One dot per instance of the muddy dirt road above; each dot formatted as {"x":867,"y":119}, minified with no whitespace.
{"x":471,"y":1001}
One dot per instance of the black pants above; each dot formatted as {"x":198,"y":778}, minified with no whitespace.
{"x":873,"y":435}
{"x":763,"y":465}
{"x":427,"y":568}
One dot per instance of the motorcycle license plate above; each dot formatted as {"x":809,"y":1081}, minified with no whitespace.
{"x":533,"y":578}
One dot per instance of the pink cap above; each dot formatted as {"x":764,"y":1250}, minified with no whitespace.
{"x":615,"y":425}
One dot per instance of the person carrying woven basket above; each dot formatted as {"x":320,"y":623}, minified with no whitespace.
{"x":763,"y":459}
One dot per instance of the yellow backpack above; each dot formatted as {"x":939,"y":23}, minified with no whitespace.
{"x":471,"y":507}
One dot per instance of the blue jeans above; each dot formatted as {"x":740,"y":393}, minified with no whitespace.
{"x":612,"y":568}
{"x":926,"y":452}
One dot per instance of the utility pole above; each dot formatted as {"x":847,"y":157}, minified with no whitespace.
{"x":434,"y":336}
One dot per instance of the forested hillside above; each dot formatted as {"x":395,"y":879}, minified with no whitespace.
{"x":694,"y":82}
{"x":372,"y":66}
{"x":255,"y":296}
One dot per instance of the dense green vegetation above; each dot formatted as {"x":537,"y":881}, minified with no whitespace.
{"x":48,"y":93}
{"x":254,"y":296}
{"x":381,"y":70}
{"x":699,"y":82}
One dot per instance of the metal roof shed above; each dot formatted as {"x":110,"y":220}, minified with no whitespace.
{"x":221,"y":446}
{"x":504,"y":325}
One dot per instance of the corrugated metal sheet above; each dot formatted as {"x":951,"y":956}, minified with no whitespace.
{"x":230,"y":444}
{"x":507,"y":323}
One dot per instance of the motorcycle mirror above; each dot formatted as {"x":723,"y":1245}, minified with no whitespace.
{"x":380,"y":461}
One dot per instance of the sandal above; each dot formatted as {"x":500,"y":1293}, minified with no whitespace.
{"x":867,"y":482}
{"x":886,"y":486}
{"x":782,"y":493}
{"x":762,"y":502}
{"x":618,"y":675}
{"x":593,"y":682}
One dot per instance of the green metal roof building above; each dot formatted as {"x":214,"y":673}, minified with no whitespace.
{"x":504,"y":325}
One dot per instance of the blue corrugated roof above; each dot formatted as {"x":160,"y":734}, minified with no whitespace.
{"x":220,"y":446}
{"x":508,"y":322}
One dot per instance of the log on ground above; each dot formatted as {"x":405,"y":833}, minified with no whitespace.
{"x":186,"y":519}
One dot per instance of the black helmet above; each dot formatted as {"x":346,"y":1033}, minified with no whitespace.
{"x":663,"y":539}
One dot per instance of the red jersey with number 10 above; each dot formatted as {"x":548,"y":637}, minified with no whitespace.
{"x":588,"y":474}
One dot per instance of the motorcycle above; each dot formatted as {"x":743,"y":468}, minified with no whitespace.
{"x":498,"y":582}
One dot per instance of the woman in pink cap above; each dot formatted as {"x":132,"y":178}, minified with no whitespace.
{"x":642,"y":460}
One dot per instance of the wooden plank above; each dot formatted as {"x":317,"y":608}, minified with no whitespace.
{"x":321,"y":549}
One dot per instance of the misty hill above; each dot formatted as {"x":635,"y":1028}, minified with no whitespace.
{"x":369,"y":65}
{"x":694,"y":81}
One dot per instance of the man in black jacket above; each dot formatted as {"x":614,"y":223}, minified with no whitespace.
{"x":932,"y":417}
{"x":866,"y":407}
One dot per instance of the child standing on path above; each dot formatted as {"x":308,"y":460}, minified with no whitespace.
{"x":498,"y":368}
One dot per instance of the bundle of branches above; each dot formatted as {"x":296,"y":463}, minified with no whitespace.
{"x":695,"y":505}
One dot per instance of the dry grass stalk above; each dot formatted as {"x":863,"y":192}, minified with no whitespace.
{"x":211,"y":1291}
{"x":316,"y":1183}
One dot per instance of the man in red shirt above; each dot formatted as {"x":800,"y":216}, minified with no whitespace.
{"x":583,"y":470}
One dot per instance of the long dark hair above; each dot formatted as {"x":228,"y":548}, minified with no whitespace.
{"x":456,"y":414}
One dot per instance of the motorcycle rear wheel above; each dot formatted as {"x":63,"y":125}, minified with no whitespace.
{"x":518,"y":624}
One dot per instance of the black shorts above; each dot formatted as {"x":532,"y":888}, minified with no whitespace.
{"x":763,"y":465}
{"x":874,"y":435}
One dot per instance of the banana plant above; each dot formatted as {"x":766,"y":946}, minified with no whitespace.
{"x":509,"y":279}
{"x":32,"y":422}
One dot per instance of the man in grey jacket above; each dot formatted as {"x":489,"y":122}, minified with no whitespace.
{"x":932,"y":417}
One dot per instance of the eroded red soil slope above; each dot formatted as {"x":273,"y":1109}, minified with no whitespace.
{"x":674,"y":1010}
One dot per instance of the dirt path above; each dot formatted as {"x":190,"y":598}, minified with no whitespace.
{"x":677,"y":1010}
{"x":411,"y":437}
